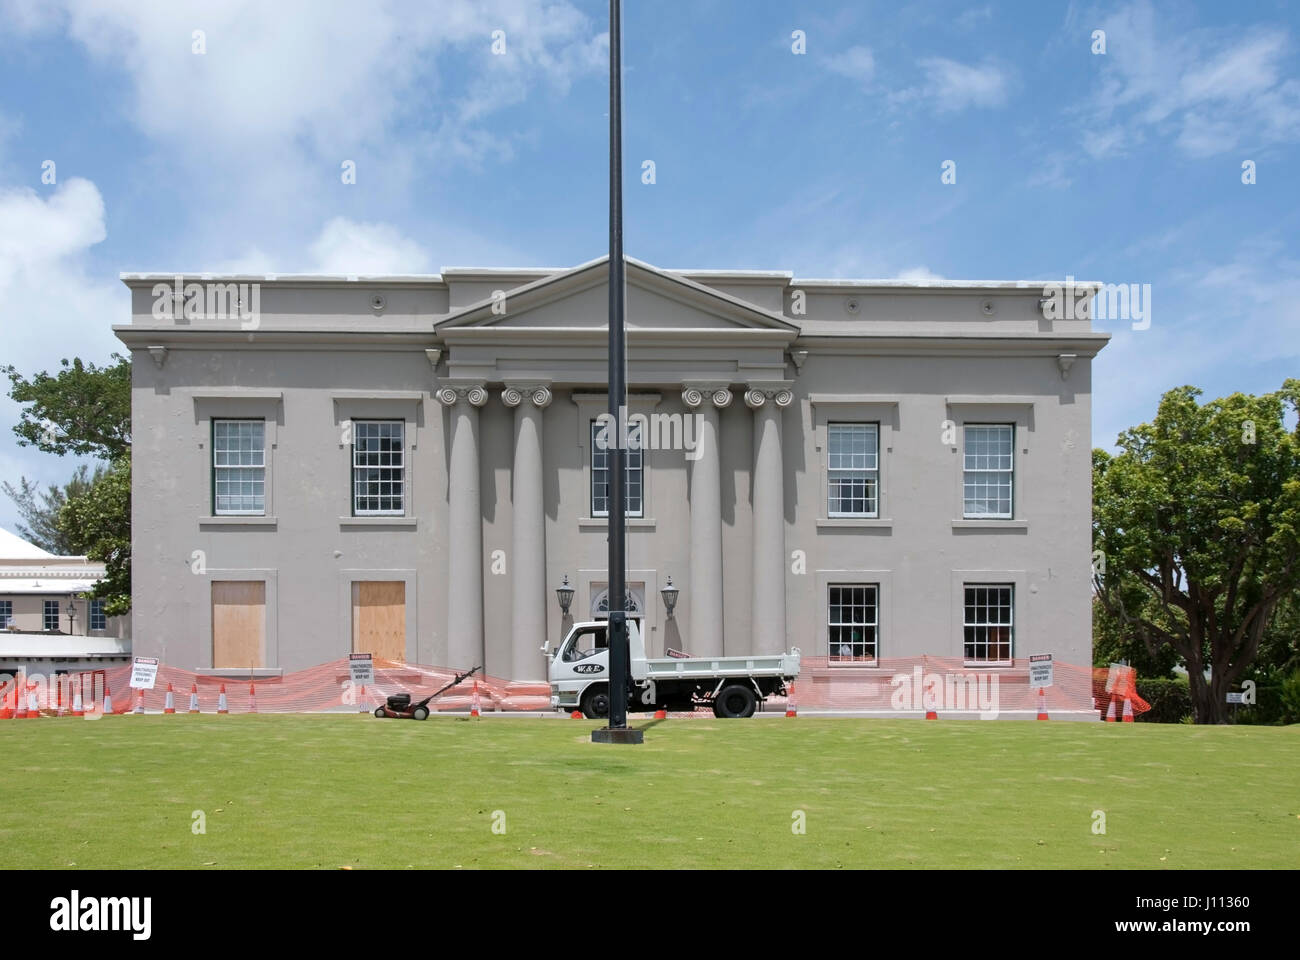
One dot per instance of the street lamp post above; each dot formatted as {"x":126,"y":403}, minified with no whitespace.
{"x":617,"y":731}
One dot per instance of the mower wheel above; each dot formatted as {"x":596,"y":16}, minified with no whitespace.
{"x":420,"y":713}
{"x":379,"y":712}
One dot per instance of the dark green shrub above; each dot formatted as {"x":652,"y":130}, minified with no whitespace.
{"x":1170,"y":700}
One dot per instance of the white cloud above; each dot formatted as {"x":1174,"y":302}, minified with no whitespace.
{"x":1211,"y":91}
{"x":919,"y":273}
{"x":952,"y":86}
{"x":856,"y":63}
{"x":347,"y":247}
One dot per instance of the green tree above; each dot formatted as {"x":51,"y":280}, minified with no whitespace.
{"x":85,"y":410}
{"x":1197,"y":520}
{"x":40,"y":510}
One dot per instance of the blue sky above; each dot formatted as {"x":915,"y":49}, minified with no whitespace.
{"x":1124,"y":167}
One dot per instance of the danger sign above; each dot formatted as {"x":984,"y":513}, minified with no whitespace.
{"x":1040,"y":670}
{"x":144,"y":673}
{"x":363,"y":668}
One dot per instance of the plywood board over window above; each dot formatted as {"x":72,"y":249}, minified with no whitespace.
{"x":238,"y":623}
{"x":379,"y":618}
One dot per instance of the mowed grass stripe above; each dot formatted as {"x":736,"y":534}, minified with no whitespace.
{"x":332,"y":791}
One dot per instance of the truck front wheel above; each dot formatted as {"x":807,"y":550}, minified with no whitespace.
{"x":595,"y":702}
{"x":734,"y":701}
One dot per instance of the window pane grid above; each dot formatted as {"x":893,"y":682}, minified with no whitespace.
{"x":379,"y":467}
{"x":852,"y":469}
{"x":51,"y":621}
{"x":989,"y":623}
{"x":988,"y":471}
{"x":239,"y":466}
{"x":6,"y":612}
{"x":633,"y":480}
{"x":98,"y":621}
{"x":852,"y":618}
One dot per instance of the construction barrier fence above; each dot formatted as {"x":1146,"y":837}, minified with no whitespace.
{"x":929,"y":685}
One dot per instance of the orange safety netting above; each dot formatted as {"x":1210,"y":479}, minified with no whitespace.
{"x":906,"y":685}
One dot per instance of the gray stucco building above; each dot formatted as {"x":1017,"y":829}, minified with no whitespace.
{"x":411,"y":465}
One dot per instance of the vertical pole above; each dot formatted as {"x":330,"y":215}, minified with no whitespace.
{"x":618,"y":652}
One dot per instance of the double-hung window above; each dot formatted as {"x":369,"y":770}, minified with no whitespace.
{"x":98,"y":621}
{"x":989,"y":623}
{"x":238,"y":467}
{"x":853,"y":469}
{"x":633,"y":485}
{"x":6,"y":612}
{"x":852,"y":618}
{"x":988,"y":475}
{"x":378,"y":468}
{"x":51,"y":620}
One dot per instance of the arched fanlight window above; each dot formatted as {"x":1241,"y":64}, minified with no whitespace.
{"x":633,"y":604}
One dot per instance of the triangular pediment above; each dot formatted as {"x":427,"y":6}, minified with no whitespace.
{"x":579,"y":299}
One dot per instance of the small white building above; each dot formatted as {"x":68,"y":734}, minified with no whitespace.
{"x":46,"y":616}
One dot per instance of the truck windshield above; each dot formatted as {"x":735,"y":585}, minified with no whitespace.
{"x":585,"y":644}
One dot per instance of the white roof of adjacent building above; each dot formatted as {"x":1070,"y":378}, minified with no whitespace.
{"x":26,"y":569}
{"x":34,"y":646}
{"x":14,"y":547}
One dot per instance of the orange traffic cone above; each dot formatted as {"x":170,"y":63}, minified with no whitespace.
{"x":1112,"y":711}
{"x":930,"y":712}
{"x":33,"y":703}
{"x":78,"y":707}
{"x":252,"y":697}
{"x":221,"y":700}
{"x":20,"y":701}
{"x":170,"y":705}
{"x":1128,"y":710}
{"x":791,"y":707}
{"x":61,"y":710}
{"x":139,"y":702}
{"x":1042,"y":704}
{"x":194,"y":698}
{"x":365,"y":708}
{"x":474,"y":702}
{"x":108,"y":698}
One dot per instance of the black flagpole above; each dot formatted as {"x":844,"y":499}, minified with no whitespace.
{"x":617,"y":731}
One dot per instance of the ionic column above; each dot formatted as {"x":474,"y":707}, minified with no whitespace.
{"x":528,"y":533}
{"x":768,"y":609}
{"x":464,"y":529}
{"x":706,"y":638}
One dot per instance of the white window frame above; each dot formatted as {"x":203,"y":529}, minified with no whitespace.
{"x":95,"y":609}
{"x":259,"y":455}
{"x":6,"y":612}
{"x":1009,"y":472}
{"x":833,"y":658}
{"x":869,"y":472}
{"x":401,"y":467}
{"x":631,"y":455}
{"x":969,"y":624}
{"x":45,"y":615}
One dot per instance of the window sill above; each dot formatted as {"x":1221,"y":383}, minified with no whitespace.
{"x":237,"y":521}
{"x":596,"y":522}
{"x":379,"y":521}
{"x":881,"y":522}
{"x":990,"y":524}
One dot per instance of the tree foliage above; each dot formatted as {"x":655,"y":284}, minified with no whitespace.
{"x":85,"y":410}
{"x":1197,"y":519}
{"x":40,"y":510}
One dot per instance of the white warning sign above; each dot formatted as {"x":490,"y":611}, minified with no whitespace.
{"x":144,"y":673}
{"x":362,"y":666}
{"x":1040,"y":670}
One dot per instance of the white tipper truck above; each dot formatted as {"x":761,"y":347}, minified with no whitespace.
{"x":732,"y":686}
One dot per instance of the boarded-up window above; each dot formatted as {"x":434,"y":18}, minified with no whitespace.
{"x":238,"y":623}
{"x":379,"y":618}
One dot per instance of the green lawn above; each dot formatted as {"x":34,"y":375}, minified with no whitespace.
{"x":334,"y":791}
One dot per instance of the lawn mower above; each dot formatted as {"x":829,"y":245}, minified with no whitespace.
{"x":400,"y":707}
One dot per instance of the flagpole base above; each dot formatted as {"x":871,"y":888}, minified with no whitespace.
{"x":617,"y":735}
